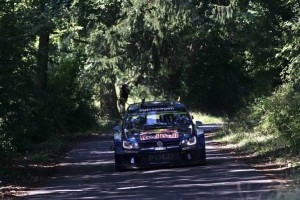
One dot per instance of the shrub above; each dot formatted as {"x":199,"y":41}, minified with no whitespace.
{"x":277,"y":115}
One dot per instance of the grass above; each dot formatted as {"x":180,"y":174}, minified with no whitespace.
{"x":208,"y":119}
{"x":253,"y":142}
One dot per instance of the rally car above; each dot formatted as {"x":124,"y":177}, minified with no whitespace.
{"x":158,"y":133}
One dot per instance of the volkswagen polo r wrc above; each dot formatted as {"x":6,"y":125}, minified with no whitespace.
{"x":158,"y":133}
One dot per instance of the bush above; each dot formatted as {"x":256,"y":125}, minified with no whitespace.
{"x":277,"y":115}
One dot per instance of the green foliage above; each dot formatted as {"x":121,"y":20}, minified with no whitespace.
{"x":276,"y":117}
{"x":217,"y":56}
{"x":277,"y":112}
{"x":27,"y":115}
{"x":70,"y":100}
{"x":269,"y":125}
{"x":282,"y":115}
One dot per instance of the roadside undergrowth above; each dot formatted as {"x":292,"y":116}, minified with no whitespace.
{"x":256,"y":143}
{"x":269,"y":127}
{"x":207,"y":118}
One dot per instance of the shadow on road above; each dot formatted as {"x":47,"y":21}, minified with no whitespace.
{"x":87,"y":172}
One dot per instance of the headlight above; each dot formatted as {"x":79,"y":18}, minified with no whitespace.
{"x":130,"y":145}
{"x":189,"y":142}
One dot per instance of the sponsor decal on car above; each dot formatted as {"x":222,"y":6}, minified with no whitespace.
{"x":163,"y":133}
{"x":156,"y":109}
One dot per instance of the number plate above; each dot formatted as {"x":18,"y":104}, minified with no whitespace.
{"x":162,"y":157}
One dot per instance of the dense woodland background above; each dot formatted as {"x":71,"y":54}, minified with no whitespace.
{"x":62,"y":61}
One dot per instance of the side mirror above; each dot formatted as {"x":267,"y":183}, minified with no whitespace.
{"x":199,"y":123}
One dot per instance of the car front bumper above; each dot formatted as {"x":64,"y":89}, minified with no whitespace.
{"x":145,"y":159}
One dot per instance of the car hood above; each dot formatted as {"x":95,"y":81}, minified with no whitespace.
{"x":162,"y":134}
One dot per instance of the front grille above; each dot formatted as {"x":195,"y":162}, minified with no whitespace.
{"x":154,"y":144}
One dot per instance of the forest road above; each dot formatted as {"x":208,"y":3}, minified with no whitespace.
{"x":87,"y":172}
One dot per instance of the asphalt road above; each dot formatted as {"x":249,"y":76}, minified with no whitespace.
{"x":87,"y":172}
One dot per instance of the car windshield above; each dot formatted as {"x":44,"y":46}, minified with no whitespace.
{"x":154,"y":119}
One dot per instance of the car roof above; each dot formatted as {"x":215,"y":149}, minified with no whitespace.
{"x":154,"y":104}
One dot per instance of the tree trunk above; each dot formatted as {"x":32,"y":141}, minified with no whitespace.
{"x":42,"y":60}
{"x":108,"y":100}
{"x":43,"y":48}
